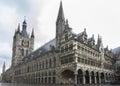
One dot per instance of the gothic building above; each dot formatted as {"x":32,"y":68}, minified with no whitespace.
{"x":68,"y":58}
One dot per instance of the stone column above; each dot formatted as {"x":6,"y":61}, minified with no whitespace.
{"x":95,"y":79}
{"x":76,"y":74}
{"x":105,"y":78}
{"x":84,"y":78}
{"x":99,"y":78}
{"x":75,"y":79}
{"x":90,"y":79}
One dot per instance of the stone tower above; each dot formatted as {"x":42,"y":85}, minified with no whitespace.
{"x":60,"y":25}
{"x":23,"y":44}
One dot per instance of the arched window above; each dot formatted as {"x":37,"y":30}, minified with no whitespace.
{"x":50,"y":63}
{"x":22,"y":51}
{"x":43,"y":65}
{"x":46,"y":64}
{"x":39,"y":65}
{"x":54,"y":62}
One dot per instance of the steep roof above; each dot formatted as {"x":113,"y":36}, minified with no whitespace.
{"x":43,"y":49}
{"x":116,"y":50}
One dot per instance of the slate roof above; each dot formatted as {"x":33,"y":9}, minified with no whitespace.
{"x":43,"y":49}
{"x":116,"y":50}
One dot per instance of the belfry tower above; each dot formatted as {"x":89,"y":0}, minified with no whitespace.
{"x":23,"y":44}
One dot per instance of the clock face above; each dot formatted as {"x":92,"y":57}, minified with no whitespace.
{"x":25,"y":43}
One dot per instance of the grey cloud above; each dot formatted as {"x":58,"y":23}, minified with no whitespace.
{"x":22,"y":6}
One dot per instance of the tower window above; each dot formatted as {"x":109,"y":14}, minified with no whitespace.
{"x":22,"y":51}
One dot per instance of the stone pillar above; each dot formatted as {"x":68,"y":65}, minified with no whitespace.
{"x":99,"y":78}
{"x":95,"y":79}
{"x":105,"y":78}
{"x":75,"y":79}
{"x":90,"y":79}
{"x":84,"y":78}
{"x":76,"y":74}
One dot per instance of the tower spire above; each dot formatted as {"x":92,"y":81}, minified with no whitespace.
{"x":60,"y":25}
{"x":32,"y":34}
{"x":24,"y":26}
{"x":24,"y":23}
{"x":61,"y":13}
{"x":3,"y":68}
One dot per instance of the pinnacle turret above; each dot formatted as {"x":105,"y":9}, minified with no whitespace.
{"x":18,"y":29}
{"x":32,"y":34}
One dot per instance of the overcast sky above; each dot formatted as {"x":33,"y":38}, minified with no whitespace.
{"x":97,"y":16}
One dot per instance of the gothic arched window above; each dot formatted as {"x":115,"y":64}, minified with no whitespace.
{"x":46,"y":64}
{"x":50,"y":63}
{"x":22,"y":51}
{"x":54,"y":62}
{"x":43,"y":65}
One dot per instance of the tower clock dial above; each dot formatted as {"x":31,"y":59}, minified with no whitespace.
{"x":25,"y":43}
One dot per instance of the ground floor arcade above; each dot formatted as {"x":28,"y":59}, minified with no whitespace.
{"x":67,"y":76}
{"x":85,"y":77}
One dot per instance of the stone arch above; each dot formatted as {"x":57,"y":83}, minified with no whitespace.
{"x":109,"y":76}
{"x":67,"y":76}
{"x":92,"y":77}
{"x":106,"y":76}
{"x":80,"y":76}
{"x":87,"y":77}
{"x":97,"y":77}
{"x":66,"y":69}
{"x":102,"y":77}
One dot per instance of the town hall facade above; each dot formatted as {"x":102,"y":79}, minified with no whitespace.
{"x":68,"y":58}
